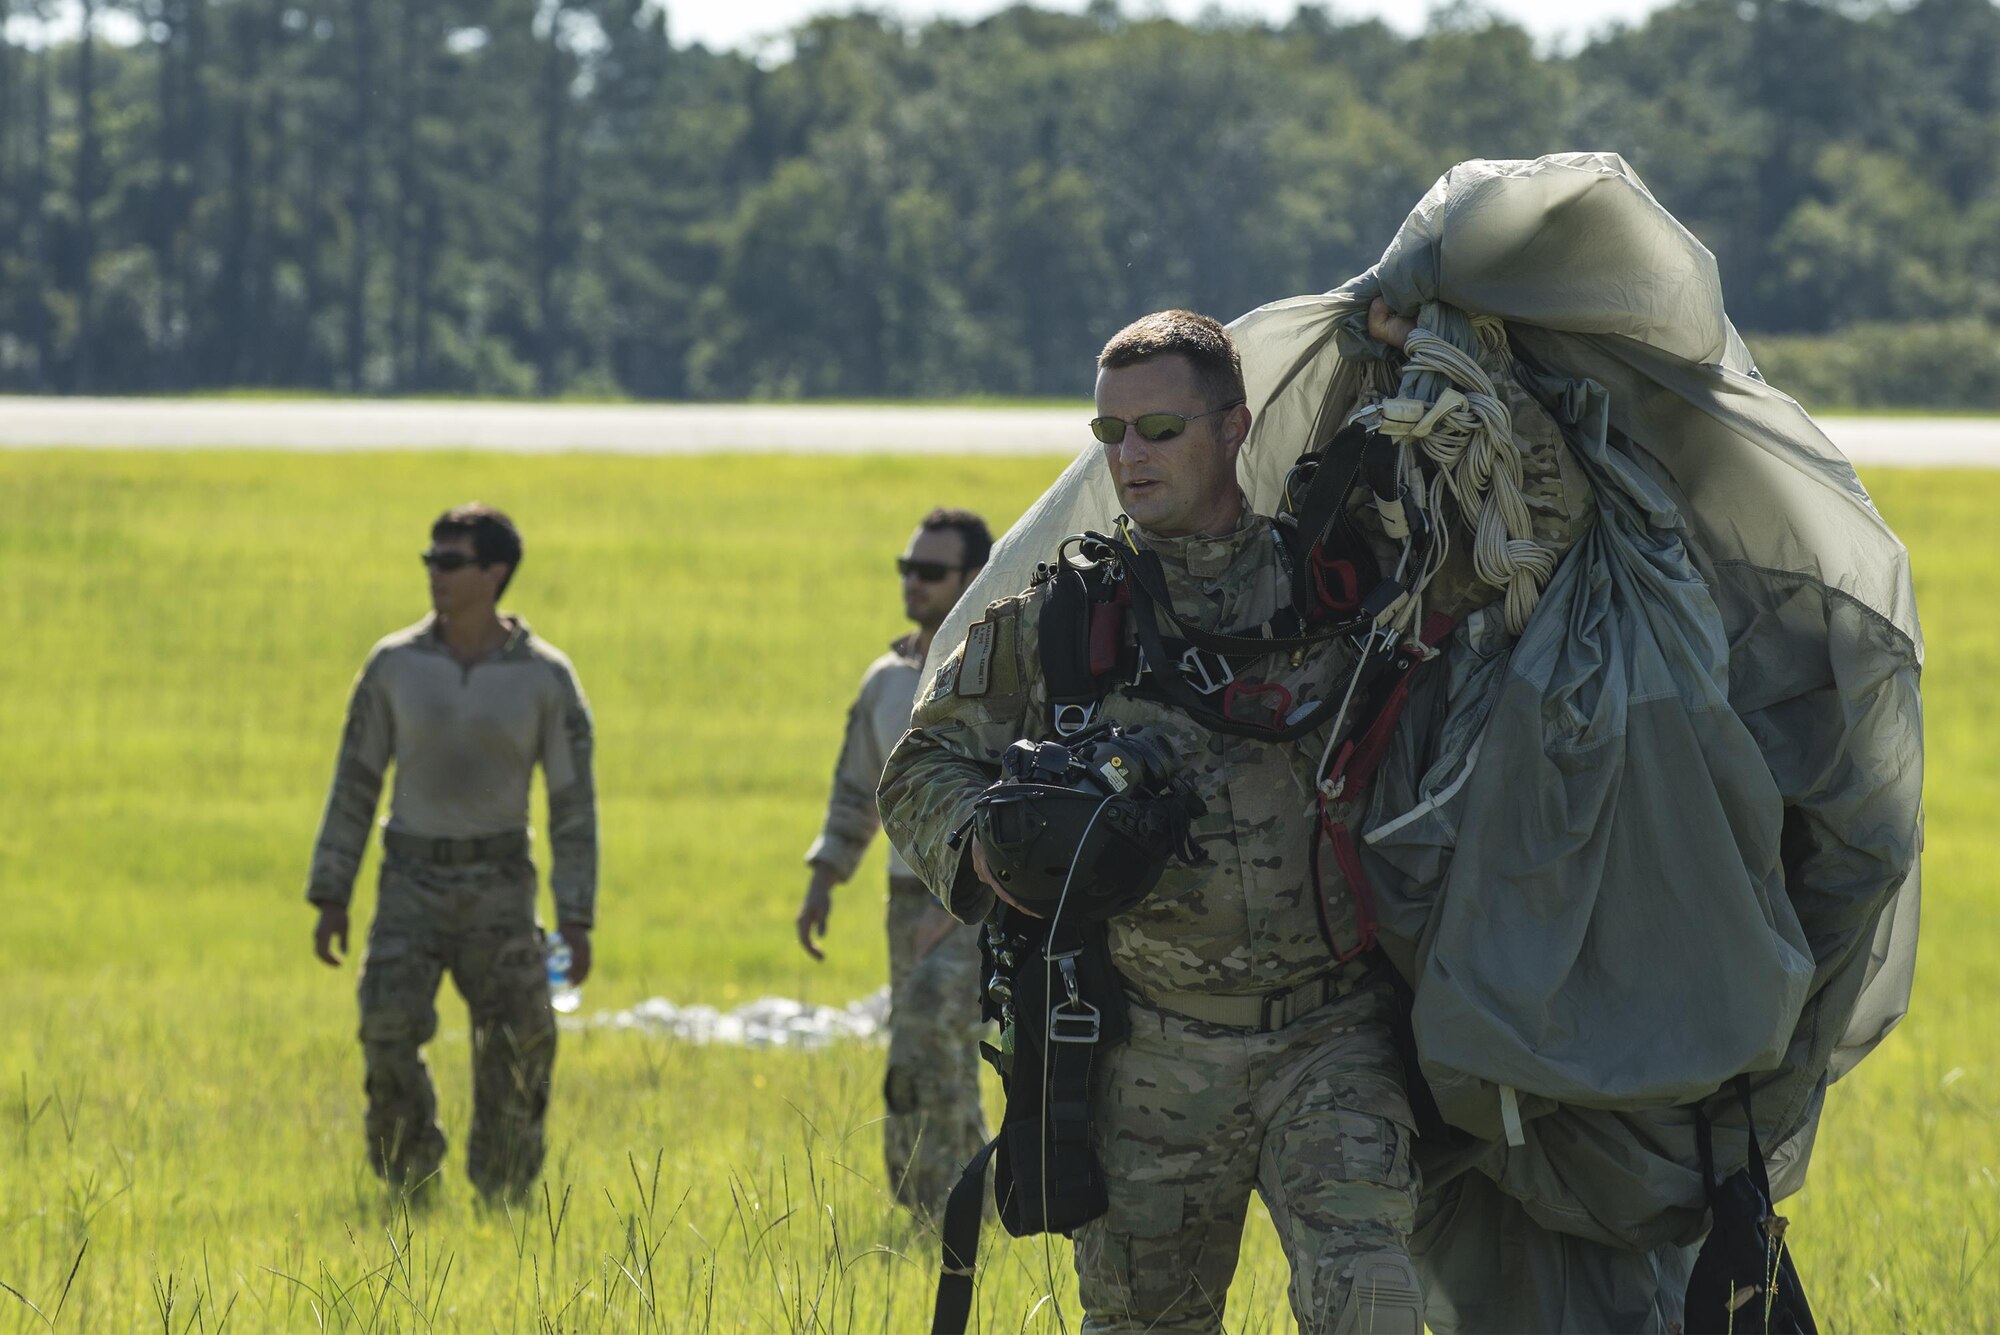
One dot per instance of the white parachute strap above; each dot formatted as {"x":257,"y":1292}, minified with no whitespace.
{"x":1340,"y":719}
{"x":1467,"y":435}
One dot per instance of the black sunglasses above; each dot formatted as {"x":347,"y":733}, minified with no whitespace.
{"x":447,"y":561}
{"x":930,"y":572}
{"x":1150,"y":426}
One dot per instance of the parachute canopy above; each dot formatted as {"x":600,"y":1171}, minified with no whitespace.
{"x":1684,"y":803}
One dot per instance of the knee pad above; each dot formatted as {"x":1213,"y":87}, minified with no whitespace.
{"x":1381,"y":1296}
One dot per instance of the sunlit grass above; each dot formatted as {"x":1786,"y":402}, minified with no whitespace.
{"x":179,"y":1084}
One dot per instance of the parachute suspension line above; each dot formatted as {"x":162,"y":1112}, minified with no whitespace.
{"x":1449,"y":409}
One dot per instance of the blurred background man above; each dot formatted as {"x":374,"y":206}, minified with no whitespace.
{"x":466,"y":703}
{"x":933,"y":1124}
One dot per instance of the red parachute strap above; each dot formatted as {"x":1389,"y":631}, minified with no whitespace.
{"x":1107,"y":623}
{"x":1353,"y":768}
{"x":1336,"y":581}
{"x":1327,"y":830}
{"x":1355,"y":764}
{"x":1358,"y":885}
{"x":1237,"y":690}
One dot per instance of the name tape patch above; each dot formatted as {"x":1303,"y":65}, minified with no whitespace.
{"x":975,"y":672}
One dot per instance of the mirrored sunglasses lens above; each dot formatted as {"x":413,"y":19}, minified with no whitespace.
{"x":1160,"y":426}
{"x":1108,"y":430}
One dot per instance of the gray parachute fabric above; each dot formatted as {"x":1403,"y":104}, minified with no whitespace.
{"x":1670,"y":832}
{"x":1686,"y":842}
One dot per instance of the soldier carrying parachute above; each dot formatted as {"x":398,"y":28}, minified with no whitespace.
{"x":1631,"y":801}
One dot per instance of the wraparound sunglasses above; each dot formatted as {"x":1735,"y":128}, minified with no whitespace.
{"x":1150,"y":426}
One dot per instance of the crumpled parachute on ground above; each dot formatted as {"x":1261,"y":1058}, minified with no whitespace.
{"x":768,"y":1022}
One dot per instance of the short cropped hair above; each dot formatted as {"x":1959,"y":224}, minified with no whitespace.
{"x":1218,"y":370}
{"x":969,"y":526}
{"x":495,"y":540}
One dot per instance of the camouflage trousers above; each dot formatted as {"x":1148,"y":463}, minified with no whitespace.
{"x":477,"y":922}
{"x":1193,"y":1117}
{"x":933,"y":1124}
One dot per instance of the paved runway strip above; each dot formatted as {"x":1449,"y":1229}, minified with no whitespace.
{"x":534,"y":428}
{"x":539,"y":428}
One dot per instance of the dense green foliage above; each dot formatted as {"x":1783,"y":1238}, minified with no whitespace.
{"x":474,"y":197}
{"x":180,"y":1089}
{"x":1941,"y":364}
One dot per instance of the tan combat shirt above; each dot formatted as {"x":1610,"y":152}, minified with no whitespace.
{"x":875,"y":722}
{"x":465,"y":741}
{"x":1243,"y":923}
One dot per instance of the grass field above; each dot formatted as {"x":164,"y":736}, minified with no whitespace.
{"x":180,"y":1092}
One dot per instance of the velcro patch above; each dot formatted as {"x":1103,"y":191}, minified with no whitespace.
{"x":975,"y":672}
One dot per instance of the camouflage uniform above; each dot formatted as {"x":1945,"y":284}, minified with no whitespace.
{"x":931,"y":1088}
{"x":457,"y":889}
{"x":1192,"y":1115}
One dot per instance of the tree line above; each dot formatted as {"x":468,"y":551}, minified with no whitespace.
{"x":471,"y":196}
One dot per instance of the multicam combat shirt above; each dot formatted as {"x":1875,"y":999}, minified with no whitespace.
{"x":465,"y":740}
{"x":1245,"y":921}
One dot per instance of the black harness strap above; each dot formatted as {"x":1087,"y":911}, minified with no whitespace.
{"x":1363,"y":597}
{"x":1074,"y":689}
{"x":1745,"y":1278}
{"x":960,"y":1228}
{"x":1705,"y":1142}
{"x":1176,"y":689}
{"x":1284,"y":631}
{"x":1354,"y":452}
{"x":1064,"y":1005}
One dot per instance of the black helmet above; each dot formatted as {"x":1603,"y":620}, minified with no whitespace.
{"x":1097,"y":818}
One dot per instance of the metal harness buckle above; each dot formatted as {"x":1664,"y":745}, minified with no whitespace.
{"x":1374,"y":639}
{"x":1195,"y":667}
{"x":1074,"y":1020}
{"x":1073,"y":719}
{"x":1078,"y":1022}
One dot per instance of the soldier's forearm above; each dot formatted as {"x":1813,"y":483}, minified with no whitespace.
{"x":573,"y":851}
{"x":328,"y":890}
{"x":966,"y":898}
{"x":839,"y":849}
{"x":343,"y":832}
{"x":927,"y":793}
{"x":335,"y":864}
{"x":576,"y":906}
{"x":573,"y":880}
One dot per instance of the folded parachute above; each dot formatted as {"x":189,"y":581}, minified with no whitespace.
{"x":1666,"y":833}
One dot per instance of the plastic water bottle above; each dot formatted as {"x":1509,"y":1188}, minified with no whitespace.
{"x":564,"y":995}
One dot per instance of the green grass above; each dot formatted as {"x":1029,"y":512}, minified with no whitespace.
{"x":179,"y":1086}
